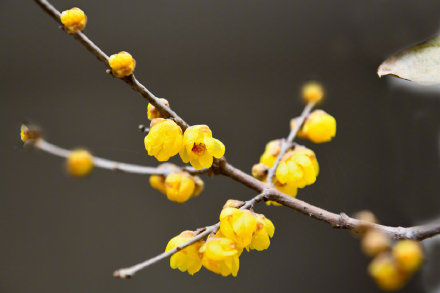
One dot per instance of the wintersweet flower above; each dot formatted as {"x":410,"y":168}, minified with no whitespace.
{"x":297,"y":168}
{"x":408,"y":255}
{"x":385,"y":273}
{"x":188,"y":259}
{"x":164,"y":139}
{"x":261,"y":238}
{"x":312,"y":92}
{"x":79,"y":163}
{"x":221,"y":256}
{"x":199,"y":147}
{"x":179,"y":186}
{"x":158,"y":182}
{"x":153,"y":113}
{"x":238,"y":225}
{"x":122,"y":64}
{"x":273,"y":148}
{"x":319,"y":127}
{"x":74,"y":20}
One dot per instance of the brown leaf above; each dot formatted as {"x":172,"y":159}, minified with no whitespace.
{"x":420,"y":63}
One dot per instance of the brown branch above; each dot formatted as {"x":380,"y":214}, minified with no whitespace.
{"x":127,"y":273}
{"x":267,"y":191}
{"x":47,"y":147}
{"x":287,"y":143}
{"x":130,"y":80}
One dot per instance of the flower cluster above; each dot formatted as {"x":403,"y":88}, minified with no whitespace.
{"x":393,"y":263}
{"x":239,"y":229}
{"x":196,"y":145}
{"x":298,"y":166}
{"x":177,"y":185}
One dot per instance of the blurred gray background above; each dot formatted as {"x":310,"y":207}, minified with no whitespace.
{"x":237,"y":66}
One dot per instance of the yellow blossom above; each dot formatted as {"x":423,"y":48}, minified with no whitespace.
{"x":221,"y":256}
{"x":179,"y":186}
{"x":158,"y":182}
{"x":238,"y":225}
{"x":164,"y":139}
{"x":312,"y":92}
{"x":273,"y":148}
{"x":261,"y":237}
{"x":260,"y":171}
{"x":319,"y":127}
{"x":79,"y":163}
{"x":74,"y":20}
{"x":200,"y":147}
{"x":385,"y":273}
{"x":153,"y":113}
{"x":122,"y":64}
{"x":298,"y":168}
{"x":408,"y":255}
{"x":188,"y":259}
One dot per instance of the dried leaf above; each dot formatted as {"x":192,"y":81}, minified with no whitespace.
{"x":420,"y":63}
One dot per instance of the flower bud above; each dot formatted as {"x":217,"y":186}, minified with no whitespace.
{"x":271,"y":151}
{"x":319,"y":127}
{"x":199,"y":186}
{"x":153,"y":113}
{"x":79,"y":163}
{"x":179,"y":186}
{"x":385,"y":273}
{"x":260,"y":171}
{"x":233,"y":203}
{"x":375,"y":242}
{"x":158,"y":182}
{"x":74,"y":20}
{"x":122,"y":64}
{"x":29,"y":133}
{"x":312,"y":92}
{"x":408,"y":255}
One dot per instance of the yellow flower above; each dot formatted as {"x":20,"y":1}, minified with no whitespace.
{"x":158,"y":182}
{"x":28,"y":133}
{"x":221,"y":256}
{"x":79,"y":163}
{"x":385,"y":273}
{"x":238,"y":225}
{"x":164,"y":139}
{"x":298,"y":168}
{"x":319,"y":127}
{"x":188,"y":259}
{"x":271,"y":152}
{"x":74,"y":20}
{"x":312,"y":92}
{"x":261,"y":237}
{"x":179,"y":186}
{"x":153,"y":113}
{"x":408,"y":255}
{"x":200,"y":147}
{"x":122,"y":64}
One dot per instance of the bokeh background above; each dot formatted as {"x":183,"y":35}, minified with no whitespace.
{"x":236,"y":65}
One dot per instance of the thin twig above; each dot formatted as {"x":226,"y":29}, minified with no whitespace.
{"x":127,"y":273}
{"x":130,"y":80}
{"x":47,"y":147}
{"x":268,"y":192}
{"x":289,"y":141}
